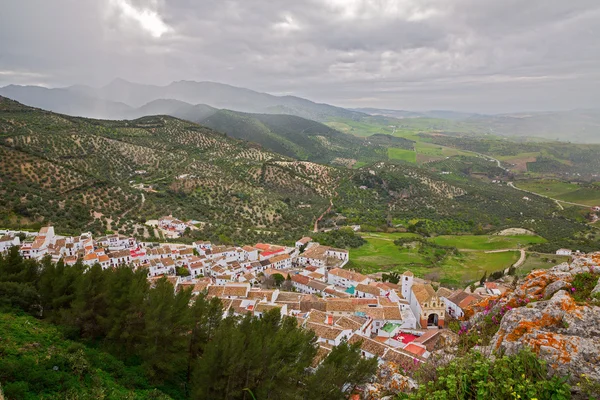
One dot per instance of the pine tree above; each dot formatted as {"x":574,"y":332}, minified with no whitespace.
{"x":89,"y":308}
{"x":167,"y":325}
{"x":339,"y":373}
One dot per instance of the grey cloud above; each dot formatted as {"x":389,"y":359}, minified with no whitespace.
{"x":496,"y":55}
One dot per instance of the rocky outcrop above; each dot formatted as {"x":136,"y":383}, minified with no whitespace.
{"x":564,"y":334}
{"x":388,"y":382}
{"x":543,"y":315}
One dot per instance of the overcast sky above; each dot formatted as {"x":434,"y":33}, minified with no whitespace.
{"x":468,"y":55}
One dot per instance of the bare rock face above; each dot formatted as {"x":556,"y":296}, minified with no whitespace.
{"x":554,"y":287}
{"x":561,"y":332}
{"x":388,"y":381}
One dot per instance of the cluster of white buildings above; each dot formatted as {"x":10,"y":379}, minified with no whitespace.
{"x":393,"y":321}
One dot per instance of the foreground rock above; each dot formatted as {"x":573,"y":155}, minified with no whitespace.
{"x":564,"y":334}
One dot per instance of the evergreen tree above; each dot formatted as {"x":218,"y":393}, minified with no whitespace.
{"x":57,"y":285}
{"x":89,"y":308}
{"x":126,"y":293}
{"x":167,"y":325}
{"x":342,"y":370}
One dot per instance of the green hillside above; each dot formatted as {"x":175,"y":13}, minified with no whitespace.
{"x":39,"y":362}
{"x":302,"y":138}
{"x":83,"y":174}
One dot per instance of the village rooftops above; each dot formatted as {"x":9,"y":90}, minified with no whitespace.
{"x":236,"y":289}
{"x":349,"y":275}
{"x":304,"y":240}
{"x":350,"y":322}
{"x":340,"y":305}
{"x":444,"y":292}
{"x":317,"y":285}
{"x":316,"y":252}
{"x":325,"y":331}
{"x":301,"y":279}
{"x":464,"y":299}
{"x":369,"y":345}
{"x":368,"y":289}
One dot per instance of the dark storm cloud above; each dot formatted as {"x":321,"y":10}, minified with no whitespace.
{"x":493,"y":55}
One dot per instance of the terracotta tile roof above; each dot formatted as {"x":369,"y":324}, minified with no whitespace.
{"x":444,"y":292}
{"x":305,"y":240}
{"x":322,"y":353}
{"x":317,"y":285}
{"x":343,"y":305}
{"x":281,"y":257}
{"x":239,"y":290}
{"x":369,"y":345}
{"x":317,"y":316}
{"x":90,"y":257}
{"x":264,"y":307}
{"x":392,"y":313}
{"x":313,"y":304}
{"x":215,"y":291}
{"x":423,"y":292}
{"x":300,"y":279}
{"x":368,"y":289}
{"x":316,"y":252}
{"x":353,"y":323}
{"x":464,"y":299}
{"x":324,"y":331}
{"x":260,"y":294}
{"x":350,"y":275}
{"x":398,"y":356}
{"x":415,"y":349}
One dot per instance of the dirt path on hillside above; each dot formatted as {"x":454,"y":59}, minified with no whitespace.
{"x":316,"y":227}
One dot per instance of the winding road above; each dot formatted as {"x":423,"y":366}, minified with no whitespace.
{"x":548,"y":197}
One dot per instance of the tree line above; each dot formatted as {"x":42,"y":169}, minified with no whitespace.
{"x":184,"y":344}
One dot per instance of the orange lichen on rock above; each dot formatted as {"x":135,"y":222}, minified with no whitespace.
{"x":529,"y":326}
{"x":563,"y":346}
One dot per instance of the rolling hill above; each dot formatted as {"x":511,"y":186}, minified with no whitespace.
{"x":99,"y":175}
{"x":302,"y":138}
{"x":107,"y":175}
{"x":116,"y":99}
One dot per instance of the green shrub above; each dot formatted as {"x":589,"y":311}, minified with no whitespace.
{"x":476,"y":376}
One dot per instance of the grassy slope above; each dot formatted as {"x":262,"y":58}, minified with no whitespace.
{"x":402,"y":155}
{"x":38,"y":362}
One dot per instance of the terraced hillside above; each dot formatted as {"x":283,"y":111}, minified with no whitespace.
{"x":80,"y":174}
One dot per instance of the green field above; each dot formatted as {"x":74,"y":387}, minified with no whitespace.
{"x":571,"y":192}
{"x":488,"y":242}
{"x":381,"y":254}
{"x":402,"y":155}
{"x":547,"y":187}
{"x":540,"y":261}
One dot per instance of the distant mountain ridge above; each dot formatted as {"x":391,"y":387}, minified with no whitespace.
{"x":119,"y":98}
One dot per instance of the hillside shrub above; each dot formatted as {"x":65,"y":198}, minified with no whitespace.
{"x":476,"y":376}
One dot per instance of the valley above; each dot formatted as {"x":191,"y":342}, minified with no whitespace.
{"x":274,"y":177}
